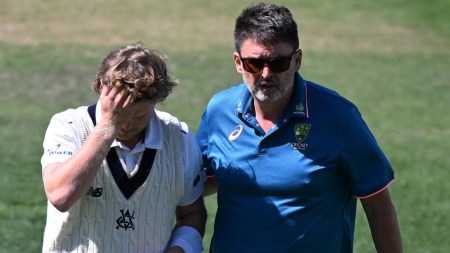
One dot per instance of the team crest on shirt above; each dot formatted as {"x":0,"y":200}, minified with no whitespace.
{"x":125,"y":220}
{"x":301,"y":132}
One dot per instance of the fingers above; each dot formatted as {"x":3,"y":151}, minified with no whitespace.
{"x":129,"y":99}
{"x":121,"y":96}
{"x":115,"y":96}
{"x":115,"y":104}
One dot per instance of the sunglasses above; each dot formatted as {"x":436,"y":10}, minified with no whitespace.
{"x":277,"y":65}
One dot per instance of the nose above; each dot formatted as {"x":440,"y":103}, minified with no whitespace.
{"x":266,"y":71}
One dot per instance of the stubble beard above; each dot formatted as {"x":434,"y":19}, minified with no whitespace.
{"x":265,"y":96}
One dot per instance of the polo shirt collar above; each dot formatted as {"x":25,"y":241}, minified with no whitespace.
{"x":298,"y":105}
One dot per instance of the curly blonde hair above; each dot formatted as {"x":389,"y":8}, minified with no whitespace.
{"x":141,"y":71}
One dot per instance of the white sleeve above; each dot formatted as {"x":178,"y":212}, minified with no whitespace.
{"x":60,"y":141}
{"x":188,"y":238}
{"x":194,"y":175}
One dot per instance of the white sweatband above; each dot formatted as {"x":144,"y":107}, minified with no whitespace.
{"x":187,"y":238}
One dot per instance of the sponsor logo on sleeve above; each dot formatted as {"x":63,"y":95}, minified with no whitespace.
{"x":57,"y":151}
{"x":196,"y":180}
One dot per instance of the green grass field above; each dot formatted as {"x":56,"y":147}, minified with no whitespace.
{"x":391,"y":58}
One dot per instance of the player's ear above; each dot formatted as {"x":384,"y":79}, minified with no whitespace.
{"x":102,"y":85}
{"x":237,"y":62}
{"x":298,"y":59}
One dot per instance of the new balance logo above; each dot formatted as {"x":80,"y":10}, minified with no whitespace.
{"x":97,"y":192}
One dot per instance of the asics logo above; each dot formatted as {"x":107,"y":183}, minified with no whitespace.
{"x":236,"y":133}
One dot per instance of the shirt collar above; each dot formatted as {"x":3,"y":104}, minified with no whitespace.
{"x":297,"y":106}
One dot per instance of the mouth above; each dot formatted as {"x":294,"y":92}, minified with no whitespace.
{"x":266,"y":83}
{"x":265,"y":86}
{"x":124,"y":132}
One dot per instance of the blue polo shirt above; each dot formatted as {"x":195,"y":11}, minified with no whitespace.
{"x":294,"y":188}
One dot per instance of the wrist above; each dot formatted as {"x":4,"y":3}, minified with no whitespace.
{"x":108,"y":129}
{"x":187,"y":238}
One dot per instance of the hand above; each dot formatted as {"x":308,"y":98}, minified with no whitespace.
{"x":175,"y":249}
{"x":117,"y":106}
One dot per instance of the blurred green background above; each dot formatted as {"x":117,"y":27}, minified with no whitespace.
{"x":390,"y":57}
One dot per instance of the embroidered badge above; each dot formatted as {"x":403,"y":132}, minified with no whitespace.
{"x":125,"y":221}
{"x":301,"y":131}
{"x":300,"y":107}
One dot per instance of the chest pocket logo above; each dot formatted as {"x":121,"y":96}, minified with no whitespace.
{"x":236,"y":133}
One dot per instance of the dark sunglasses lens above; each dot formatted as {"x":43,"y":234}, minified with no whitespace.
{"x":276,"y":65}
{"x":280,"y":65}
{"x":253,"y":65}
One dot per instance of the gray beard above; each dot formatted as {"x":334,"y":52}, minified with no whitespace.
{"x":266,"y":97}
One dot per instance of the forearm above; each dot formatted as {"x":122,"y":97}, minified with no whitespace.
{"x":385,"y":232}
{"x":189,"y":229}
{"x":382,"y":218}
{"x":66,"y":182}
{"x":195,"y":219}
{"x":210,"y":187}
